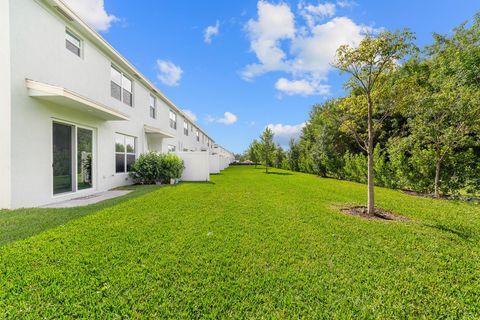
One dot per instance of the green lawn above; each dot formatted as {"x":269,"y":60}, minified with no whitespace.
{"x":246,"y":245}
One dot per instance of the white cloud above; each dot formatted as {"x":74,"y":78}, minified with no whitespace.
{"x":93,"y":12}
{"x":227,"y":119}
{"x":275,"y":23}
{"x":304,"y":51}
{"x":168,"y":73}
{"x":283,"y":133}
{"x":315,"y":52}
{"x":210,"y":32}
{"x":301,"y":87}
{"x":192,"y":116}
{"x":346,"y":3}
{"x":315,"y":13}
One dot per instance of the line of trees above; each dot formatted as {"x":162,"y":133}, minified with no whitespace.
{"x":410,"y":118}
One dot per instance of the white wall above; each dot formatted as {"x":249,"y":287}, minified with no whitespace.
{"x":37,"y":41}
{"x":197,"y":166}
{"x":5,"y":103}
{"x":214,"y":163}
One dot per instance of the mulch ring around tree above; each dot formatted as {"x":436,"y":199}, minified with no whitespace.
{"x":379,"y":214}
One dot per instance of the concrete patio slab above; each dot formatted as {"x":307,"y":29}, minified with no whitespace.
{"x":87,"y":200}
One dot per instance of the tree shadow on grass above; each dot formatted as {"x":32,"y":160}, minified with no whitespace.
{"x":281,"y":173}
{"x":459,"y":231}
{"x":23,"y":223}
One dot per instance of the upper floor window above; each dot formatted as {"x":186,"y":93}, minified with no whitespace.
{"x":121,"y":87}
{"x":185,"y":128}
{"x":153,"y":107}
{"x":73,"y":43}
{"x":173,"y":120}
{"x":198,"y":135}
{"x":124,"y":153}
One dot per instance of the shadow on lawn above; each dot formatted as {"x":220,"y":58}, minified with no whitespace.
{"x":23,"y":223}
{"x":459,"y":231}
{"x":281,"y":173}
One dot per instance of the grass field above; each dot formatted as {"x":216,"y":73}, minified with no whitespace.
{"x":245,"y":245}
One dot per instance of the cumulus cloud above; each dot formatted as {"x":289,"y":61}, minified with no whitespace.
{"x":210,"y":32}
{"x":227,"y":119}
{"x":315,"y":13}
{"x":301,"y":87}
{"x":284,"y":132}
{"x":93,"y":12}
{"x":275,"y":22}
{"x":192,"y":116}
{"x":346,"y":3}
{"x":168,"y":73}
{"x":305,"y":50}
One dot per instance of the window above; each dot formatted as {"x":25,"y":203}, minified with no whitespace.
{"x":198,"y":135}
{"x":153,"y":107}
{"x":173,"y":120}
{"x":171,"y":148}
{"x":124,"y":153}
{"x":185,"y":128}
{"x":121,"y":87}
{"x":73,"y":43}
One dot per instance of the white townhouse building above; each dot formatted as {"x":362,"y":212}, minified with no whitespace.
{"x":75,"y":114}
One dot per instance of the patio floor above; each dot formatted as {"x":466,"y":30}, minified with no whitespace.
{"x":87,"y":200}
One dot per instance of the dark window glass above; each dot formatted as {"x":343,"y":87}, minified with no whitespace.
{"x":119,"y":162}
{"x":116,"y":90}
{"x":84,"y":158}
{"x":130,"y":161}
{"x":62,"y":158}
{"x":127,"y":97}
{"x":72,"y":48}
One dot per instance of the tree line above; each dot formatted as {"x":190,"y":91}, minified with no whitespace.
{"x":410,"y":118}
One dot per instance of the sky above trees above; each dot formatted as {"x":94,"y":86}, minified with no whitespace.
{"x":239,"y":66}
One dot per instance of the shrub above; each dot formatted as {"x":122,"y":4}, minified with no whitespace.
{"x":171,"y":167}
{"x":153,"y":167}
{"x":147,"y":168}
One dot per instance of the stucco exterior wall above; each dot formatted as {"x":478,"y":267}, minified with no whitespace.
{"x":38,"y":53}
{"x":197,"y":166}
{"x":5,"y":105}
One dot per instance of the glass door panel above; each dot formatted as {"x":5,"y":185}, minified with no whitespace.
{"x":62,"y":158}
{"x":84,"y":158}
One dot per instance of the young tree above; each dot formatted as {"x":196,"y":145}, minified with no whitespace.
{"x":279,"y":156}
{"x":293,"y":155}
{"x":254,"y":152}
{"x":444,"y":118}
{"x":267,"y":148}
{"x":369,"y":66}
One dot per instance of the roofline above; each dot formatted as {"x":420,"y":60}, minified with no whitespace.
{"x":110,"y":49}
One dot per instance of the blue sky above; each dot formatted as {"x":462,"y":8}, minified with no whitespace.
{"x":262,"y":62}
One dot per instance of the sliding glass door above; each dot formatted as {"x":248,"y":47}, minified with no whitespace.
{"x":84,"y":158}
{"x":62,"y":158}
{"x":72,"y":158}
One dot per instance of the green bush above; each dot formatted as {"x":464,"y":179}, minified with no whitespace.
{"x":153,"y":167}
{"x":147,"y":168}
{"x":171,"y":168}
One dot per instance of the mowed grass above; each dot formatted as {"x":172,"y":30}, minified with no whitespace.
{"x":249,"y":245}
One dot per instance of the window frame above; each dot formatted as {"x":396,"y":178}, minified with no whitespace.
{"x":73,"y":35}
{"x":197,"y":133}
{"x":185,"y":128}
{"x":125,"y":152}
{"x":124,"y":78}
{"x":172,"y":120}
{"x":153,"y":109}
{"x":171,"y":148}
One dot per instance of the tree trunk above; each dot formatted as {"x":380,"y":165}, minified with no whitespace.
{"x":437,"y":179}
{"x":371,"y":174}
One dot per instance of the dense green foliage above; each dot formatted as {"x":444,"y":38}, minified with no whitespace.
{"x":426,"y":122}
{"x":266,"y":148}
{"x":153,"y":167}
{"x":248,"y":246}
